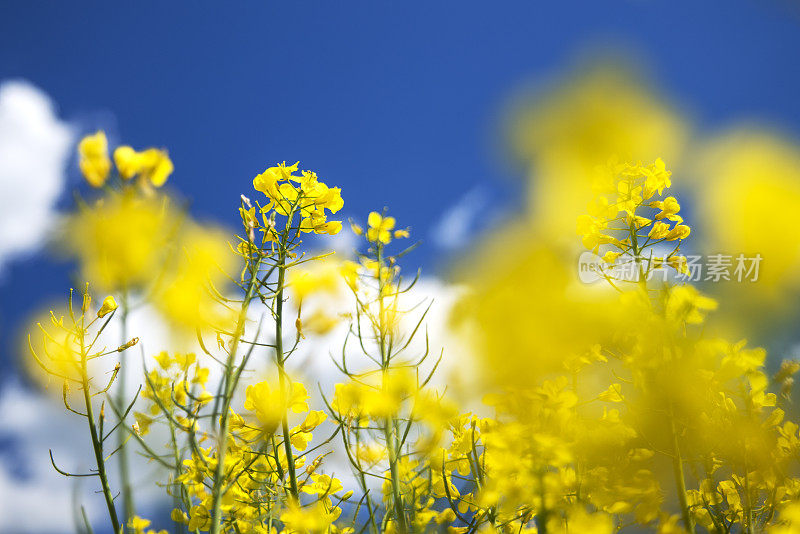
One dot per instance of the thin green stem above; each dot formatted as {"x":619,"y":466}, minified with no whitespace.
{"x":229,"y":384}
{"x":122,"y":452}
{"x":399,"y":509}
{"x":680,"y":482}
{"x":285,"y":385}
{"x":97,"y":444}
{"x":389,"y":428}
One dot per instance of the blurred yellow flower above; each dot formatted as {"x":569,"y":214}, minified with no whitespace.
{"x":380,"y":228}
{"x":197,"y":275}
{"x":152,"y":165}
{"x":122,"y":240}
{"x":93,"y":158}
{"x":566,"y":131}
{"x":749,"y":196}
{"x":270,"y":403}
{"x":55,"y":349}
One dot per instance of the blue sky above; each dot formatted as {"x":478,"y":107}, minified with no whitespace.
{"x":396,"y":102}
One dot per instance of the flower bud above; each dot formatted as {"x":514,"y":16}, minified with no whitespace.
{"x":128,"y":345}
{"x":109,"y":305}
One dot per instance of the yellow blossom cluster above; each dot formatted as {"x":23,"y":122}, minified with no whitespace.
{"x":599,"y":412}
{"x":629,"y":215}
{"x":289,"y":194}
{"x":152,"y":166}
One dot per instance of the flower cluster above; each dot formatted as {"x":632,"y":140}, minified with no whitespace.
{"x":288,"y":194}
{"x":629,"y":216}
{"x":152,"y":166}
{"x":600,"y":412}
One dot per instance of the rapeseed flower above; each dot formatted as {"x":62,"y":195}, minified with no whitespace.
{"x":93,"y":158}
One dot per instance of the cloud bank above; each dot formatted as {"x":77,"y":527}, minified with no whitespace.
{"x":34,"y":151}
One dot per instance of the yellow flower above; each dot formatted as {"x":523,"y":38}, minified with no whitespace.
{"x":122,"y":240}
{"x":380,"y":228}
{"x":316,"y":277}
{"x":322,"y":485}
{"x":179,"y":516}
{"x":138,"y":524}
{"x":612,"y":394}
{"x":313,"y":420}
{"x":749,"y":197}
{"x":152,"y":164}
{"x":94,"y":162}
{"x":127,"y":160}
{"x":270,"y":404}
{"x":678,"y":263}
{"x":186,"y":293}
{"x":565,"y":132}
{"x":54,"y":346}
{"x":659,"y":230}
{"x":309,"y":200}
{"x":356,"y":228}
{"x":109,"y":305}
{"x":199,"y":518}
{"x":267,"y":181}
{"x":669,"y":208}
{"x":681,"y":231}
{"x":286,"y":198}
{"x":685,"y":303}
{"x":330,"y":228}
{"x":312,"y":519}
{"x":349,"y":270}
{"x":657,"y":178}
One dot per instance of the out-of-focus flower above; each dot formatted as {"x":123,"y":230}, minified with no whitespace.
{"x":749,"y":195}
{"x":380,"y":228}
{"x":93,"y":158}
{"x":581,"y":122}
{"x":54,"y":346}
{"x":313,"y":519}
{"x":526,"y":313}
{"x":318,"y":287}
{"x":321,"y":276}
{"x":152,"y":165}
{"x":270,"y":403}
{"x":188,"y":292}
{"x":121,"y":240}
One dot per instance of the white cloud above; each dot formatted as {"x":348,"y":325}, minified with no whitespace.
{"x":33,"y":496}
{"x":34,"y":149}
{"x":457,"y":223}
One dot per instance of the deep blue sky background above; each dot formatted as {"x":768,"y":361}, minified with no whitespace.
{"x":396,"y":102}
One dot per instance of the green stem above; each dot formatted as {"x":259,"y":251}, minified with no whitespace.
{"x":122,"y":452}
{"x":399,"y":509}
{"x":388,"y":429}
{"x":180,"y":497}
{"x":284,"y":382}
{"x":543,"y":514}
{"x":97,"y":444}
{"x":229,"y":381}
{"x":680,"y":483}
